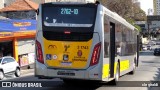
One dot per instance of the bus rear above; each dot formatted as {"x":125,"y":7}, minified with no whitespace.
{"x":67,"y":45}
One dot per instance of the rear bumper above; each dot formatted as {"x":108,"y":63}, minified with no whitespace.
{"x":42,"y":71}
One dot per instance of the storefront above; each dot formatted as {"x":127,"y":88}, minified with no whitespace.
{"x":6,"y":48}
{"x":26,"y":50}
{"x":17,"y":39}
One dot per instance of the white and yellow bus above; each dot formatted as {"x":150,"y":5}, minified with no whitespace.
{"x":84,"y":41}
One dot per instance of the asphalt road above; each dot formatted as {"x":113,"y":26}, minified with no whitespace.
{"x":148,"y":70}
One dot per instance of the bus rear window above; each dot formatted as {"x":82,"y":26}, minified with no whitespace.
{"x":69,"y":16}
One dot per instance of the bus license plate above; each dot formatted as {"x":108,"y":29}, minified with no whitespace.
{"x":68,"y":73}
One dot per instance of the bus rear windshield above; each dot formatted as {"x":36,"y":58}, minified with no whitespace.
{"x":69,"y":16}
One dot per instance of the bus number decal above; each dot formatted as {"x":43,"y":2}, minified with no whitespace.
{"x":62,"y":11}
{"x":82,"y":47}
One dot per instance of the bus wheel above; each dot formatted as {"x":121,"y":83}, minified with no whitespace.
{"x":114,"y":82}
{"x":134,"y":69}
{"x":117,"y":73}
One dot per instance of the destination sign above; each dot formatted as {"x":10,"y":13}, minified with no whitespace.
{"x":69,"y":11}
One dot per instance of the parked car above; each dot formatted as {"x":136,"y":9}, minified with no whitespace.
{"x":8,"y":65}
{"x":149,"y":47}
{"x":152,"y":43}
{"x":157,"y":51}
{"x":144,"y":48}
{"x":157,"y":43}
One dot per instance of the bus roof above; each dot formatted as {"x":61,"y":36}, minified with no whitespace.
{"x":115,"y":16}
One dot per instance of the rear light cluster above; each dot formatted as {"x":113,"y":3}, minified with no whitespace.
{"x":95,"y":54}
{"x":39,"y":53}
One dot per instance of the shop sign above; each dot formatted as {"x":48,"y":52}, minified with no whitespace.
{"x":4,"y":34}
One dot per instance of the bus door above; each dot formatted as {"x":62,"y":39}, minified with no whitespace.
{"x":137,"y":50}
{"x":112,"y":49}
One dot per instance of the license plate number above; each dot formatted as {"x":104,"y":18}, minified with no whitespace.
{"x":68,"y":73}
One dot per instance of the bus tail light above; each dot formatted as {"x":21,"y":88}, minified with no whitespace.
{"x":95,"y":54}
{"x":39,"y":53}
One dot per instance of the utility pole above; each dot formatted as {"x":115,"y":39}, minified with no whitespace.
{"x":148,"y":30}
{"x":148,"y":24}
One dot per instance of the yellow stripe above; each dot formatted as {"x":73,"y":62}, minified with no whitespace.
{"x":124,"y":65}
{"x":105,"y":71}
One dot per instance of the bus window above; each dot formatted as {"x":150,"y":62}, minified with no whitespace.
{"x":68,"y":16}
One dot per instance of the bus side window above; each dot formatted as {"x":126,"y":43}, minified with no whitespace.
{"x":118,"y":37}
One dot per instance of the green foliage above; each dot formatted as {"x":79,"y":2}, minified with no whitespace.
{"x":132,"y":22}
{"x":138,"y":27}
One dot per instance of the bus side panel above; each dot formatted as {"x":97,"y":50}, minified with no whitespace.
{"x":106,"y":39}
{"x":95,"y":71}
{"x":39,"y":70}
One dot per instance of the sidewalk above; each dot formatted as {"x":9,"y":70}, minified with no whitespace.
{"x":26,"y":71}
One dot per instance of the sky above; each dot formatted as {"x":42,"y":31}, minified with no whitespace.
{"x":146,"y":4}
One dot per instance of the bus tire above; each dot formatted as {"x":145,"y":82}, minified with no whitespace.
{"x":134,"y":68}
{"x":115,"y":81}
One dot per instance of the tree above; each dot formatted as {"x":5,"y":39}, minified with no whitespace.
{"x":139,"y":14}
{"x":121,"y":7}
{"x":127,"y":9}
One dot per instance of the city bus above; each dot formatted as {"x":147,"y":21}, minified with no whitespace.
{"x":84,"y":41}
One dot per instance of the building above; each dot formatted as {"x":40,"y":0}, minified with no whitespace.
{"x":20,"y":9}
{"x":5,"y":3}
{"x":17,"y":32}
{"x":153,"y":25}
{"x":8,"y":2}
{"x":142,"y":24}
{"x":156,"y":7}
{"x":150,"y":11}
{"x":17,"y":38}
{"x":2,"y":4}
